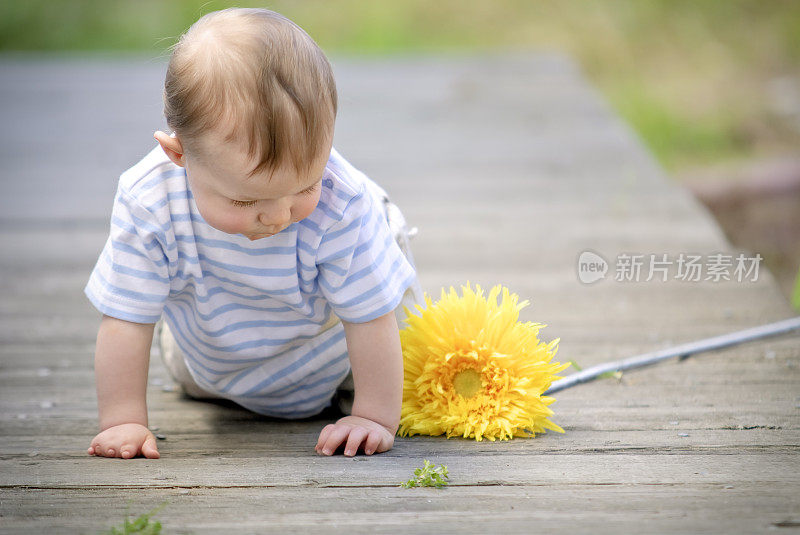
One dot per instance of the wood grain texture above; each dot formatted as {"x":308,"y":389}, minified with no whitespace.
{"x":587,"y":508}
{"x":510,"y":166}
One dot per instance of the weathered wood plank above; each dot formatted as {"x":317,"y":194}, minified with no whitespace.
{"x":391,"y":468}
{"x":608,"y":396}
{"x":664,"y":508}
{"x":294,"y":440}
{"x":83,"y":424}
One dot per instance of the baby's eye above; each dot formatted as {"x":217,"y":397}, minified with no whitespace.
{"x":309,"y":191}
{"x":243,"y":203}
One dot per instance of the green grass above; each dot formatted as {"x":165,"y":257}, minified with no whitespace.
{"x":675,"y":136}
{"x":691,"y":76}
{"x":796,"y":293}
{"x":142,"y":525}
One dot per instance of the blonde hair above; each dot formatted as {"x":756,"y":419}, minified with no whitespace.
{"x":259,"y":72}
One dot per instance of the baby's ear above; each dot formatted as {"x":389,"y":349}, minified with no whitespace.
{"x":172,"y":147}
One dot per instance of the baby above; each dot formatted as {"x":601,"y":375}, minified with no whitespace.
{"x":274,"y":265}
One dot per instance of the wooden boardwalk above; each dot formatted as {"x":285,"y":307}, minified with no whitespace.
{"x":510,"y":167}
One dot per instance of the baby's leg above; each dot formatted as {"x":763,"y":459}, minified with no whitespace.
{"x":173,"y":360}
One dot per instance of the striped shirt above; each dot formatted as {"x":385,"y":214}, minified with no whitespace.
{"x":253,"y":318}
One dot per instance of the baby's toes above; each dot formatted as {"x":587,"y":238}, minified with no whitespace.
{"x":128,"y":451}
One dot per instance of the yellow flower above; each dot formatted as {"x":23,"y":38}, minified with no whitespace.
{"x":471,"y":369}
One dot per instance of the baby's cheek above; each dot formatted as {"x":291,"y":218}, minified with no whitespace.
{"x":305,"y":208}
{"x":224,"y":218}
{"x":231,"y":223}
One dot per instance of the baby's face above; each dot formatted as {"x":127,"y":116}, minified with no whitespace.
{"x":257,"y":206}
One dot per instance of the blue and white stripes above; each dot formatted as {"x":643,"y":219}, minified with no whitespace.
{"x":250,"y":317}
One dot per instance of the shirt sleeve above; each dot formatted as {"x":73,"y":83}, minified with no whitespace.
{"x":131,"y":278}
{"x":362,"y":271}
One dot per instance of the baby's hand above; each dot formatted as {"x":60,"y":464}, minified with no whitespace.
{"x":355,"y":430}
{"x":126,"y":441}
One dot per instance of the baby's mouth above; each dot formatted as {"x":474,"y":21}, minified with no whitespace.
{"x":258,"y":236}
{"x":253,"y":237}
{"x":277,"y":230}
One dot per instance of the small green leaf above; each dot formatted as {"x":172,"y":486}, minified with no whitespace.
{"x":796,"y":293}
{"x":140,"y":523}
{"x":428,"y":476}
{"x":575,"y":365}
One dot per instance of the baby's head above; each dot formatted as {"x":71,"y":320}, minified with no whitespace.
{"x":252,"y":101}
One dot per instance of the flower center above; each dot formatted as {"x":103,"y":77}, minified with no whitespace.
{"x":467,"y":382}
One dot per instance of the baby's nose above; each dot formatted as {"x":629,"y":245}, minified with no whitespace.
{"x":274,"y":219}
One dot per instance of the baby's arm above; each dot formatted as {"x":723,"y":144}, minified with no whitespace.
{"x":122,"y":358}
{"x":377,"y":363}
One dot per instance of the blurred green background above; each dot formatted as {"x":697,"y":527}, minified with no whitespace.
{"x":713,"y":87}
{"x":692,"y":77}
